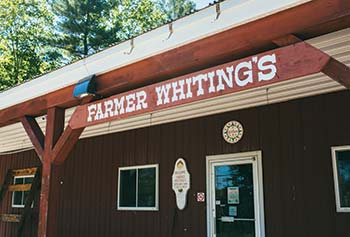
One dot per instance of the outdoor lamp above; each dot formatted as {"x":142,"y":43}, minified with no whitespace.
{"x":85,"y":87}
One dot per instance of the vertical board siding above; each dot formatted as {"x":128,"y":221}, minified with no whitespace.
{"x":17,"y":161}
{"x":295,"y":139}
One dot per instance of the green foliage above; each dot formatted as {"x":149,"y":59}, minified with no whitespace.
{"x":83,"y":26}
{"x":136,"y":17}
{"x":37,"y":36}
{"x":25,"y":27}
{"x":87,"y":26}
{"x":174,"y":9}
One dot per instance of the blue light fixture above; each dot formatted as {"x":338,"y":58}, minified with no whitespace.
{"x":85,"y":87}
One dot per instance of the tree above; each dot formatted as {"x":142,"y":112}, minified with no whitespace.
{"x":83,"y":26}
{"x":25,"y":27}
{"x":87,"y":26}
{"x":174,"y":9}
{"x":137,"y":16}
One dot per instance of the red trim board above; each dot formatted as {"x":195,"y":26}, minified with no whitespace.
{"x":259,"y":70}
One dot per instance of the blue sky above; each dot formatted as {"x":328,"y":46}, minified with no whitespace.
{"x":202,"y":3}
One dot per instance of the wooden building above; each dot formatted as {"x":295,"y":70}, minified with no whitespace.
{"x":251,"y":95}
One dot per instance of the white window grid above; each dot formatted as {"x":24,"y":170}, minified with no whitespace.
{"x":13,"y":194}
{"x":156,"y":207}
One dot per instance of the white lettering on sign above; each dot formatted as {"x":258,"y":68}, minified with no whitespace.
{"x":114,"y":107}
{"x":220,"y":80}
{"x":266,"y":63}
{"x":181,"y":183}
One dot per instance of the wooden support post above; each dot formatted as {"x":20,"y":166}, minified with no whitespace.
{"x":54,"y":129}
{"x":53,"y":148}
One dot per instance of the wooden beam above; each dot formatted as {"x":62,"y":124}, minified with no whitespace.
{"x":13,"y":218}
{"x":22,"y":172}
{"x":65,"y":144}
{"x":251,"y":38}
{"x":334,"y":69}
{"x":287,"y":63}
{"x":54,"y":127}
{"x":19,"y":187}
{"x":286,"y":40}
{"x":44,"y":195}
{"x":338,"y":72}
{"x":34,"y":133}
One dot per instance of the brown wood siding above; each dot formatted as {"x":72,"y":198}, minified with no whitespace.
{"x":17,"y":161}
{"x":295,"y":138}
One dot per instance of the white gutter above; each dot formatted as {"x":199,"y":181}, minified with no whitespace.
{"x":188,"y":29}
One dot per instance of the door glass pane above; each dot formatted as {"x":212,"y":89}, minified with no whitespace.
{"x":234,"y":204}
{"x":147,"y":187}
{"x":127,"y":196}
{"x":343,"y":167}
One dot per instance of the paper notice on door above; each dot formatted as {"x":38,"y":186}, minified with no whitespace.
{"x":233,"y":195}
{"x":232,"y":211}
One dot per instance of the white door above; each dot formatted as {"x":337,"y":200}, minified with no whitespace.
{"x":235,"y":195}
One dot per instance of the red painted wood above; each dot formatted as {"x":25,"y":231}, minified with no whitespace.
{"x":338,"y":72}
{"x":310,"y":19}
{"x":65,"y":144}
{"x":295,"y":138}
{"x":334,"y":69}
{"x":286,"y":40}
{"x":18,"y":161}
{"x":291,"y":62}
{"x":34,"y":133}
{"x":54,"y":129}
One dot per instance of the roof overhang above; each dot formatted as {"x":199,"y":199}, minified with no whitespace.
{"x":199,"y":41}
{"x":336,"y":45}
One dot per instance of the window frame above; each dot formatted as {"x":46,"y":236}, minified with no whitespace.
{"x":335,"y":177}
{"x":137,"y":167}
{"x":13,"y":193}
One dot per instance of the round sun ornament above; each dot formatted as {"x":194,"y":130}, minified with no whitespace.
{"x":232,"y":132}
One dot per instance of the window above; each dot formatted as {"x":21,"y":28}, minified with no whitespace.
{"x":19,"y":197}
{"x":138,"y":188}
{"x":341,"y":172}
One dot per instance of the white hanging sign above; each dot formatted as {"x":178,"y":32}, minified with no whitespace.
{"x":181,"y":183}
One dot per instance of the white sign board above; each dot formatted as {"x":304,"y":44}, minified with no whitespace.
{"x":181,"y":183}
{"x":232,"y":195}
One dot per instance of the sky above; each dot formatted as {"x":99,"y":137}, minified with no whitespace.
{"x":202,"y":3}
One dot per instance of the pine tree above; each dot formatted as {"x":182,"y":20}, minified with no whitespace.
{"x":83,"y":26}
